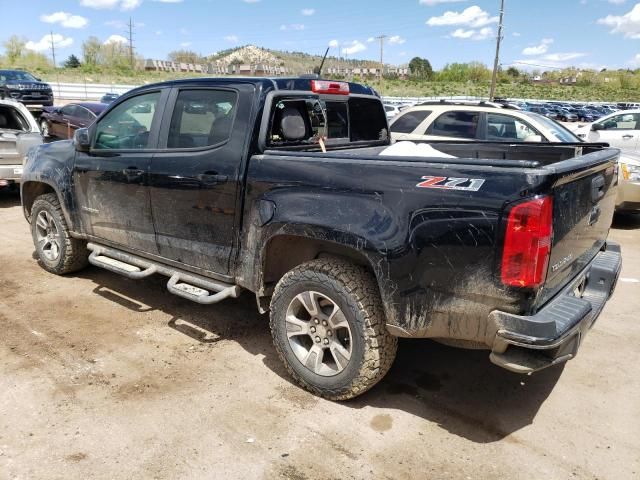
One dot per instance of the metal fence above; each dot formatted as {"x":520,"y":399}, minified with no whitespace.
{"x":86,"y":91}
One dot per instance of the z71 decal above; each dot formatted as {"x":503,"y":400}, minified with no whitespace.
{"x":450,"y":183}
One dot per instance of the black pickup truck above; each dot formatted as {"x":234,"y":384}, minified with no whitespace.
{"x":288,"y":188}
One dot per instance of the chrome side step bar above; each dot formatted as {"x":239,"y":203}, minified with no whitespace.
{"x":186,"y":285}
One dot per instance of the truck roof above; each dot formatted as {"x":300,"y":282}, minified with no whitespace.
{"x":267,"y":83}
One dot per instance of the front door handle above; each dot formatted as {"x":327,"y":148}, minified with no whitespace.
{"x":132,"y":172}
{"x":627,"y":137}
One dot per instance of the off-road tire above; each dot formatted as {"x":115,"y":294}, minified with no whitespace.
{"x":74,"y":255}
{"x":355,"y":291}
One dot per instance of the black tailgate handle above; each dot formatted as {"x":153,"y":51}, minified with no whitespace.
{"x":597,"y":188}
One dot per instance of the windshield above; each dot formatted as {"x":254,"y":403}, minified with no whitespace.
{"x":557,"y":131}
{"x":12,"y":76}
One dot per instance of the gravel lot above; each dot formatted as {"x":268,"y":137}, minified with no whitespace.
{"x":103,"y":377}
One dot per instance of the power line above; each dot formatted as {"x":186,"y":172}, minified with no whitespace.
{"x":496,"y":62}
{"x":381,"y":38}
{"x":53,"y":49}
{"x":131,"y":43}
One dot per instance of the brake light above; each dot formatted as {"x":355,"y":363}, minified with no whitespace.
{"x":329,"y":87}
{"x":527,"y":243}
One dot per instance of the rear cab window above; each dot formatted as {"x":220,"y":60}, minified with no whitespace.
{"x":299,"y":122}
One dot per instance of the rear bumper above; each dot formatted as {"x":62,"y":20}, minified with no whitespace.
{"x":526,"y":344}
{"x":628,"y":199}
{"x":11,"y":172}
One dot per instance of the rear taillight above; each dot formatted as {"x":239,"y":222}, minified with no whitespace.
{"x":527,"y":243}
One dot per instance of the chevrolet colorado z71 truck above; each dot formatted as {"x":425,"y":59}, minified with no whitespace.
{"x":288,"y":188}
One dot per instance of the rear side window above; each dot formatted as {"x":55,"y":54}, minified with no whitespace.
{"x":202,"y":118}
{"x":409,"y":121}
{"x":456,"y":124}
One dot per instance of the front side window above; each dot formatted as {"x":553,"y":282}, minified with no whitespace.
{"x":625,"y":121}
{"x":456,"y":124}
{"x":127,"y":126}
{"x":502,"y":128}
{"x":409,"y":121}
{"x":202,"y":118}
{"x":69,"y":110}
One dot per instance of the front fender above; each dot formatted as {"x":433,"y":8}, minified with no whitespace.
{"x":51,"y":165}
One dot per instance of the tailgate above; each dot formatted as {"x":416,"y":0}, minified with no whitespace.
{"x":584,"y":198}
{"x":14,"y":146}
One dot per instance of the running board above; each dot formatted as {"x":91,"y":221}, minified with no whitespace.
{"x":186,"y":285}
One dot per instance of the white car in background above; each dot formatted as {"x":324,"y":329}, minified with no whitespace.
{"x":619,"y":129}
{"x":391,"y":111}
{"x":18,"y":133}
{"x":477,"y":121}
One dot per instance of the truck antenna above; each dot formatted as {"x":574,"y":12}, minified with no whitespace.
{"x":319,"y":72}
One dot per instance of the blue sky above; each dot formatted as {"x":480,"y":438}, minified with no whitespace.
{"x":549,"y":33}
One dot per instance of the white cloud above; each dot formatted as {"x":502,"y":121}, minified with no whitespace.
{"x":616,"y":2}
{"x":115,"y":39}
{"x":370,"y":39}
{"x":169,"y":1}
{"x":293,"y":26}
{"x":307,"y":12}
{"x":231,"y":39}
{"x":562,"y":57}
{"x":185,"y":44}
{"x":65,"y":19}
{"x":481,"y":34}
{"x":554,"y":60}
{"x":251,"y":1}
{"x":431,"y":3}
{"x":334,"y":44}
{"x":635,"y":61}
{"x":396,"y":40}
{"x":354,"y":47}
{"x":44,"y":43}
{"x":627,"y":24}
{"x":110,"y":4}
{"x":473,"y":17}
{"x":543,"y":47}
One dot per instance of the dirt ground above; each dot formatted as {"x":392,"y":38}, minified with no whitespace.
{"x":102,"y":377}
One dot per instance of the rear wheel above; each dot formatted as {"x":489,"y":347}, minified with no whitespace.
{"x":57,"y":251}
{"x":328,"y":327}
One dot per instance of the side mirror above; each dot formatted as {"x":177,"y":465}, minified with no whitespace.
{"x":81,"y":140}
{"x":533,"y":139}
{"x":597,"y":126}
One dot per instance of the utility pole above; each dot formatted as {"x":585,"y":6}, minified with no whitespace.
{"x":53,"y":49}
{"x":496,"y":62}
{"x":131,"y":43}
{"x":381,"y":38}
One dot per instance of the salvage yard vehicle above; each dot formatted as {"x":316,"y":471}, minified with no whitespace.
{"x":289,"y":188}
{"x":62,"y":122}
{"x":620,"y":130}
{"x":473,"y":121}
{"x":25,"y":88}
{"x":18,"y":133}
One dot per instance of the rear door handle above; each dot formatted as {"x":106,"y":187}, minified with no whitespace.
{"x":211,"y":178}
{"x":627,"y":137}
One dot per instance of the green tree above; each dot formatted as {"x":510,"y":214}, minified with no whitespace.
{"x":513,"y":72}
{"x":72,"y":62}
{"x":14,"y":48}
{"x":421,"y":68}
{"x":185,"y":56}
{"x":91,"y":50}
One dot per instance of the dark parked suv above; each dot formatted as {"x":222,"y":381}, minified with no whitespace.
{"x":25,"y":88}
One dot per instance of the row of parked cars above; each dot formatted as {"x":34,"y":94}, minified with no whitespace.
{"x":498,"y":122}
{"x":21,"y":94}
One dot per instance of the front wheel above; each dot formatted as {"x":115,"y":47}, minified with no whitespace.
{"x":328,"y":326}
{"x":57,"y":250}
